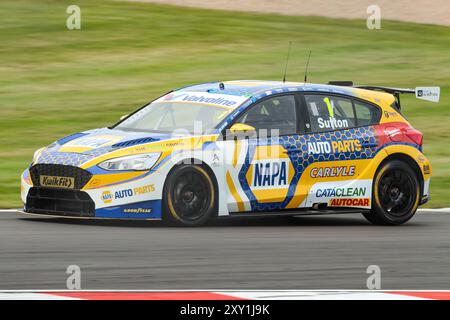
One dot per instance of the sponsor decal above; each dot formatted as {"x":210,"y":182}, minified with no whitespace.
{"x":388,"y":114}
{"x":355,"y":202}
{"x":174,"y":144}
{"x":426,"y":169}
{"x":268,"y":174}
{"x":346,"y":145}
{"x":332,"y":123}
{"x":340,"y":146}
{"x":57,"y":182}
{"x":204,"y":97}
{"x":341,"y":192}
{"x":108,"y":197}
{"x":215,"y":160}
{"x":123,"y":194}
{"x":144,"y":189}
{"x":319,"y":147}
{"x":339,"y":171}
{"x":137,"y":210}
{"x":428,"y":93}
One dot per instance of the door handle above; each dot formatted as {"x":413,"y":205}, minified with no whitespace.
{"x":368,"y":144}
{"x":292,"y":150}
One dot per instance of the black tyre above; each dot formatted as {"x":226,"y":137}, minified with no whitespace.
{"x":189,"y":196}
{"x":395,"y":196}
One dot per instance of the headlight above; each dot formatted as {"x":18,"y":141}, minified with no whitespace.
{"x":37,"y":154}
{"x":137,"y":162}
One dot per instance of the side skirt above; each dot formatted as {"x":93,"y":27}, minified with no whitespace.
{"x":297,"y":212}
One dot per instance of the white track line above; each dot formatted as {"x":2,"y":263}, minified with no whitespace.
{"x":31,"y":296}
{"x":426,"y":210}
{"x":440,"y":210}
{"x":247,"y":294}
{"x":319,"y":295}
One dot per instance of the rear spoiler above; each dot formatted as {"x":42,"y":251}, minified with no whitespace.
{"x":425,"y":93}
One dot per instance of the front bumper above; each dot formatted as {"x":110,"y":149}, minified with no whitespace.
{"x":110,"y":196}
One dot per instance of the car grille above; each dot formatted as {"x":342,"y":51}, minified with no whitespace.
{"x":60,"y":202}
{"x":81,"y":176}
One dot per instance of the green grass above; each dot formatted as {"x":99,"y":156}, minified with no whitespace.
{"x":54,"y":82}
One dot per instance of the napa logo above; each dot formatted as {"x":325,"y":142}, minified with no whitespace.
{"x":107,"y":196}
{"x":270,"y":174}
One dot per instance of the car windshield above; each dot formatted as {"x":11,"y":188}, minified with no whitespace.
{"x":167,"y":117}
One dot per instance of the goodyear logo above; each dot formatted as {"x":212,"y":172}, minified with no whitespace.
{"x":267,"y":174}
{"x":340,"y":146}
{"x":108,"y":197}
{"x":137,"y":210}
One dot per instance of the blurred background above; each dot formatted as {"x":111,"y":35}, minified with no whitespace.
{"x":55,"y":81}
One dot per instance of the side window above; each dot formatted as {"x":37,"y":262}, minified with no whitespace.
{"x":330,"y":112}
{"x":366,"y":114}
{"x":277,"y":113}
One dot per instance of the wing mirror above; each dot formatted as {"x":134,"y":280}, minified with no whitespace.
{"x":241,"y":130}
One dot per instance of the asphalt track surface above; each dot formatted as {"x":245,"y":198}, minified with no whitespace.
{"x":314,"y":252}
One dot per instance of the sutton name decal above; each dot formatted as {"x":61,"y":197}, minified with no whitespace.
{"x":332,"y":123}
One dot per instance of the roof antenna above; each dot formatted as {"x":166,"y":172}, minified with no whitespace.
{"x":287,"y":60}
{"x":306,"y":69}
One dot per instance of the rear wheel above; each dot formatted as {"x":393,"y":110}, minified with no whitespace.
{"x":396,"y":194}
{"x":189,"y":196}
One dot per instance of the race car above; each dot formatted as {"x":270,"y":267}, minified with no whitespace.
{"x":241,"y":148}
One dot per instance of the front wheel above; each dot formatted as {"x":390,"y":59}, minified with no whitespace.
{"x":396,"y":194}
{"x":189,"y":196}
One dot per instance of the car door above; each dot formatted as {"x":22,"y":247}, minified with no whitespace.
{"x":262,"y":169}
{"x":340,"y":144}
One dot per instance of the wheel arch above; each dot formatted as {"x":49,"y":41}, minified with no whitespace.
{"x":408,"y":160}
{"x":209,"y":171}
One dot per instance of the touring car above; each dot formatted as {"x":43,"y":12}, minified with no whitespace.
{"x":239,"y":148}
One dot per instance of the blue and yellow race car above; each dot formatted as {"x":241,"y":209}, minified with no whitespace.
{"x":241,"y":148}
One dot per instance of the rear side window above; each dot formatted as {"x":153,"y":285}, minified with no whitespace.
{"x":330,"y":112}
{"x":366,"y":114}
